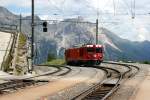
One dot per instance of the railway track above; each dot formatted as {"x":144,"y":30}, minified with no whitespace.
{"x":131,"y":72}
{"x":59,"y":68}
{"x":65,"y":73}
{"x":17,"y":84}
{"x":102,"y":91}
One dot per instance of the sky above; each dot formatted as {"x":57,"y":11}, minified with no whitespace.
{"x":116,"y":15}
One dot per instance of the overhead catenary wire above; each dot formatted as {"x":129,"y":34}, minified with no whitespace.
{"x":133,"y":13}
{"x":114,"y":5}
{"x":61,"y":9}
{"x":131,"y":8}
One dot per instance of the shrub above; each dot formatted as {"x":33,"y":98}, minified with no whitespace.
{"x":146,"y":62}
{"x":51,"y":57}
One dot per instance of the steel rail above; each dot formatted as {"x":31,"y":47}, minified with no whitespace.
{"x":116,"y":85}
{"x":65,"y":73}
{"x":22,"y":83}
{"x":19,"y":84}
{"x":59,"y":67}
{"x":129,"y":66}
{"x":47,"y":73}
{"x":93,"y":89}
{"x":137,"y":68}
{"x":104,"y":94}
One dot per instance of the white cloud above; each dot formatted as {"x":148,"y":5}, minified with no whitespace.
{"x":142,"y":27}
{"x":141,"y":37}
{"x":137,"y":29}
{"x":18,"y":3}
{"x":78,"y":6}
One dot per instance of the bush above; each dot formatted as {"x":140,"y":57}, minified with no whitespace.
{"x":146,"y":62}
{"x":51,"y":57}
{"x":22,"y":40}
{"x":56,"y":62}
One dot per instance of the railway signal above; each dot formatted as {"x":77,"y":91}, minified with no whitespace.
{"x":96,"y":31}
{"x":45,"y":26}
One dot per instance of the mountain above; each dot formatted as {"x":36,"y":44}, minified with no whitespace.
{"x":123,"y":49}
{"x":62,"y":35}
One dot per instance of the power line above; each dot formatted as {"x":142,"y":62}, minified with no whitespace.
{"x":59,"y":9}
{"x":114,"y":7}
{"x":133,"y":16}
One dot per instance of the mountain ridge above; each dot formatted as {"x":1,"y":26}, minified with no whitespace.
{"x":63,"y":35}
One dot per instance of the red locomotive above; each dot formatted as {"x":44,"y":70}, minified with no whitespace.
{"x":85,"y":55}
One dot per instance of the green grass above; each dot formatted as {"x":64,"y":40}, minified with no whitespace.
{"x":56,"y":62}
{"x":22,"y":43}
{"x":7,"y":63}
{"x":22,"y":40}
{"x":146,"y":62}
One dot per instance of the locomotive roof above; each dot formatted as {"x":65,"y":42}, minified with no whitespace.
{"x":89,"y":45}
{"x":92,"y":45}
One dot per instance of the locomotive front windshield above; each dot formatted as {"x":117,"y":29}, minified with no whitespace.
{"x":99,"y":50}
{"x":90,"y":50}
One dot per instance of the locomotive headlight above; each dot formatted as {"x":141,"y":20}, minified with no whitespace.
{"x":98,"y":46}
{"x":94,"y":55}
{"x":89,"y":45}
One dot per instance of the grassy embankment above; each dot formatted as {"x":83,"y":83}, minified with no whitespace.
{"x":55,"y":62}
{"x":22,"y":40}
{"x":22,"y":43}
{"x":146,"y":62}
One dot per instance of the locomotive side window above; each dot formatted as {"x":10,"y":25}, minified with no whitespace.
{"x":99,"y":50}
{"x":81,"y":52}
{"x":90,"y":49}
{"x":68,"y":54}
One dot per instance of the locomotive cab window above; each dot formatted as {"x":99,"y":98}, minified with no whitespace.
{"x":90,"y":49}
{"x":99,"y":50}
{"x":81,"y":52}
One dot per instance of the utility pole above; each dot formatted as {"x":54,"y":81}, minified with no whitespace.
{"x":20,"y":24}
{"x":97,"y":22}
{"x":79,"y":38}
{"x":97,"y":31}
{"x":32,"y":37}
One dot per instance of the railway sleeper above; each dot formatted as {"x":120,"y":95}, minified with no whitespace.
{"x":100,"y":92}
{"x":93,"y":98}
{"x":19,"y":84}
